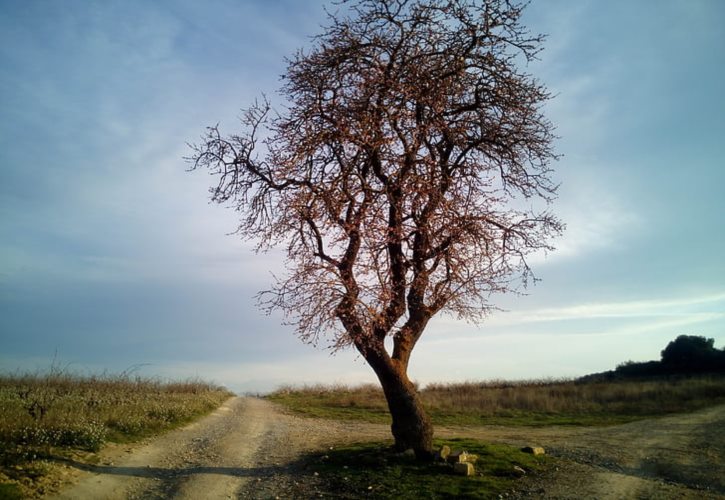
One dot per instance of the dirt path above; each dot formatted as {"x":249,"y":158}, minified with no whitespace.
{"x":245,"y":449}
{"x":249,"y":448}
{"x":680,"y":456}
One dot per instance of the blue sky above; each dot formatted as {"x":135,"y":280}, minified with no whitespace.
{"x":111,"y":255}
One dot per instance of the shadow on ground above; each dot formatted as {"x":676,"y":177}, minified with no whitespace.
{"x":174,"y":472}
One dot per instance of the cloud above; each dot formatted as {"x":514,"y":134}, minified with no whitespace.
{"x":667,"y":315}
{"x":597,"y":219}
{"x":566,"y":341}
{"x":108,"y":248}
{"x":713,"y":305}
{"x":112,"y":110}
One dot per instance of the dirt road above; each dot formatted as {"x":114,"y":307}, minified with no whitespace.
{"x":680,"y":456}
{"x":249,"y":448}
{"x":245,"y":449}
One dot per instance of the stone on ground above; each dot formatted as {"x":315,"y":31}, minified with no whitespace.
{"x":463,"y":469}
{"x":534,"y":450}
{"x":461,"y":457}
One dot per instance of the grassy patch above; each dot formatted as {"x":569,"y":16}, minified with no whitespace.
{"x":372,"y":470}
{"x":9,"y":491}
{"x":338,"y":402}
{"x":45,"y":416}
{"x":529,"y":403}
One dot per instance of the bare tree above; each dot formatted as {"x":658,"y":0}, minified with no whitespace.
{"x":401,"y":176}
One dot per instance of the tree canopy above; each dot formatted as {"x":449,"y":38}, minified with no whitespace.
{"x":685,"y":355}
{"x":390,"y":175}
{"x":693,"y":353}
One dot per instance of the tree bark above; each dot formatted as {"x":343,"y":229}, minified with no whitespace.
{"x":411,"y":425}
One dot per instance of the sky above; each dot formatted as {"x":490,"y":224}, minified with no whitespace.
{"x":112,"y":259}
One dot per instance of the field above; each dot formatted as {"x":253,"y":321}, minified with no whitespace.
{"x":47,"y":417}
{"x":54,"y":428}
{"x":573,"y":418}
{"x":534,"y":403}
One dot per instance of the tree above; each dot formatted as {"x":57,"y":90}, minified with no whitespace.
{"x":692,"y":353}
{"x":408,"y":175}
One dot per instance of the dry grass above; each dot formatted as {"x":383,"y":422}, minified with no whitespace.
{"x":82,"y":412}
{"x":561,"y":397}
{"x":57,"y":413}
{"x":533,"y":402}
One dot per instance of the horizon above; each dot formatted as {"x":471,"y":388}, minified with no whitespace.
{"x":112,"y":257}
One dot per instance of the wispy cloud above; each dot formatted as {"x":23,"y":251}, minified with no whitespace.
{"x":667,"y":314}
{"x":705,"y":306}
{"x":598,"y":218}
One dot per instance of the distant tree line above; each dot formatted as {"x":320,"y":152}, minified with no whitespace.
{"x":686,"y":355}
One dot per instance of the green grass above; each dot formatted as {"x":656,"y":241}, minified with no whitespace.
{"x":9,"y":491}
{"x":57,"y":414}
{"x":335,"y":402}
{"x":528,"y":403}
{"x":372,"y":470}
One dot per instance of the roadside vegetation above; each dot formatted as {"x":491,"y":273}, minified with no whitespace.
{"x":533,"y":402}
{"x":51,"y":416}
{"x":686,"y":355}
{"x":690,"y":376}
{"x":372,"y":470}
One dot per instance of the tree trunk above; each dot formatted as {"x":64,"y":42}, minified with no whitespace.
{"x":411,"y":426}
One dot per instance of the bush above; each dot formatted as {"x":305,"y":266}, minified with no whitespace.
{"x":643,"y":369}
{"x":693,"y":354}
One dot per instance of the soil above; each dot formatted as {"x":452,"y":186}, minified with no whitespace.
{"x":251,"y":448}
{"x":679,"y":456}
